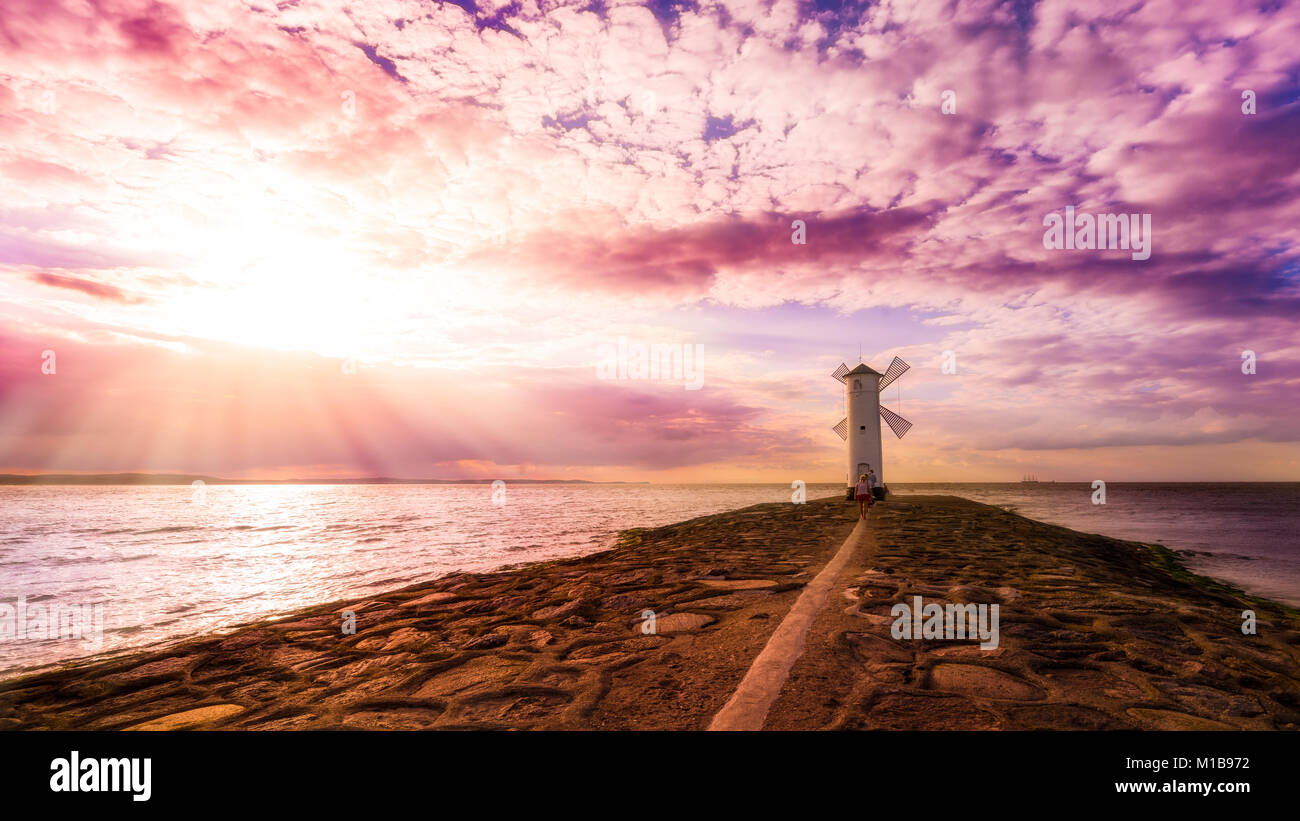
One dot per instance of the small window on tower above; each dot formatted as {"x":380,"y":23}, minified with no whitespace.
{"x":862,"y":427}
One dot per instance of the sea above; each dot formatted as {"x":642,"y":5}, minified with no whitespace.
{"x":159,"y":564}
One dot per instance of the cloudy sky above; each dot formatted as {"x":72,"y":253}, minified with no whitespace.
{"x":389,"y":237}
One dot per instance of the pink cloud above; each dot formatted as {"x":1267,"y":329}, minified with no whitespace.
{"x":481,"y":189}
{"x":96,"y":289}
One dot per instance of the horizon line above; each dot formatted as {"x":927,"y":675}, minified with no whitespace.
{"x":135,"y":478}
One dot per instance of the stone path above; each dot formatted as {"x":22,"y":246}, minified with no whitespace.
{"x":748,"y":706}
{"x":1094,"y":635}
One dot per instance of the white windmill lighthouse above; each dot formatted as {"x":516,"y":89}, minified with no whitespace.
{"x":861,"y":427}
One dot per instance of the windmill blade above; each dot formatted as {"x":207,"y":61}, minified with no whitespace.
{"x":840,"y":372}
{"x":897,"y":424}
{"x":896,"y":369}
{"x":842,"y":428}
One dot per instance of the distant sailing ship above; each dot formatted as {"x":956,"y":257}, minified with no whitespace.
{"x":1030,"y":479}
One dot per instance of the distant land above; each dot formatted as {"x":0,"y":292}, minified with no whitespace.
{"x":187,"y":479}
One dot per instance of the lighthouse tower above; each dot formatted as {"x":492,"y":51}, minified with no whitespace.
{"x":860,"y":427}
{"x":862,"y":407}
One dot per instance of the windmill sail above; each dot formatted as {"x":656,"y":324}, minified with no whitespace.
{"x":840,"y":372}
{"x":896,"y":369}
{"x":897,"y":424}
{"x":842,"y":428}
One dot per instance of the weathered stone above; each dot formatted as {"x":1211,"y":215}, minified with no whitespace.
{"x":190,"y":719}
{"x":739,"y":584}
{"x":626,"y":601}
{"x":153,"y":669}
{"x":432,"y":598}
{"x":986,"y":682}
{"x":558,"y":611}
{"x":486,"y":641}
{"x":679,"y":622}
{"x":1174,"y":720}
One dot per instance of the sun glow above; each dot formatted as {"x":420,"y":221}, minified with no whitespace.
{"x":280,"y":287}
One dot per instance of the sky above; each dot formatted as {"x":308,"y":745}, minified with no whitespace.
{"x":399,"y":238}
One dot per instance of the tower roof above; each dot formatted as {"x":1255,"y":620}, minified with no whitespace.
{"x":864,"y":368}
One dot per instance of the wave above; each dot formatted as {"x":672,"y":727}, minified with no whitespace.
{"x":61,"y":562}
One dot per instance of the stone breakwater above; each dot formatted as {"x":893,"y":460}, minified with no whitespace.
{"x":1095,"y":633}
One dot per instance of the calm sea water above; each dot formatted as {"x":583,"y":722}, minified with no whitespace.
{"x":1251,"y":530}
{"x":165,"y":566}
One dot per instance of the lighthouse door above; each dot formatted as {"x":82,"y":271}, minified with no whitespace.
{"x":862,"y":468}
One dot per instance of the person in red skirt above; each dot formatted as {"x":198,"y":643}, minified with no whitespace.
{"x":863,"y":494}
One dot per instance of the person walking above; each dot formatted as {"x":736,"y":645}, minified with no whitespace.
{"x":863,"y":494}
{"x":877,"y":486}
